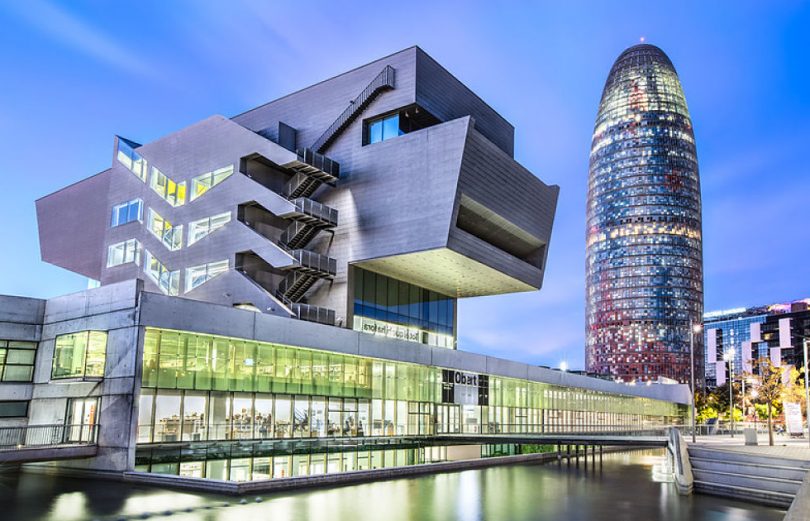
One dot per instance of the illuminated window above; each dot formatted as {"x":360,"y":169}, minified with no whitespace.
{"x":17,"y":360}
{"x":127,"y":156}
{"x":126,"y":213}
{"x":171,"y":236}
{"x":202,"y":183}
{"x":199,"y":229}
{"x":80,"y":355}
{"x":123,"y":253}
{"x":167,"y":281}
{"x":198,"y":275}
{"x":171,"y":192}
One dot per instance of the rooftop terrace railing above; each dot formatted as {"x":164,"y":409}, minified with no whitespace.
{"x":44,"y":436}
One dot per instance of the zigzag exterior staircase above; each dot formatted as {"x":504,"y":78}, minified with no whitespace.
{"x":307,"y":218}
{"x":752,"y":477}
{"x":309,"y":171}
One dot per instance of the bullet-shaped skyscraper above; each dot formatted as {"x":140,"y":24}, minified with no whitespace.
{"x":644,"y":261}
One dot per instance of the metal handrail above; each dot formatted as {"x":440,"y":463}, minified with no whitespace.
{"x":315,"y":209}
{"x":52,"y":435}
{"x":316,"y":261}
{"x":306,"y":428}
{"x":384,"y":80}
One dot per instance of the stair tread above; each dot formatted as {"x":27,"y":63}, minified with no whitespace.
{"x":747,"y":457}
{"x":748,"y":463}
{"x":766,"y":478}
{"x":746,"y":489}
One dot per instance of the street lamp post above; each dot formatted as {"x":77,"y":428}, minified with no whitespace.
{"x":806,"y":392}
{"x":754,"y":394}
{"x":729,"y":357}
{"x":693,"y":328}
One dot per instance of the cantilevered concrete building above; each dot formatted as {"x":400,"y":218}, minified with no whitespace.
{"x":372,"y":200}
{"x":369,"y":203}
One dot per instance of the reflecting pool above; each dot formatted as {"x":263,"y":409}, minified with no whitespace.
{"x":628,"y":486}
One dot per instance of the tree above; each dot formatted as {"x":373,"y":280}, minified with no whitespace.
{"x":770,"y":388}
{"x":794,"y":390}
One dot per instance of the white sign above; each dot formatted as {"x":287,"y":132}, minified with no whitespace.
{"x":793,"y":418}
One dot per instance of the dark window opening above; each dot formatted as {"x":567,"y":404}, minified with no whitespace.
{"x":13,"y":409}
{"x":391,"y":125}
{"x":478,"y":220}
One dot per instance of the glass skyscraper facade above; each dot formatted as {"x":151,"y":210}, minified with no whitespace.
{"x":644,"y":267}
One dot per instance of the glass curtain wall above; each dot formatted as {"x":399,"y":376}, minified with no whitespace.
{"x":392,"y":308}
{"x":208,"y":388}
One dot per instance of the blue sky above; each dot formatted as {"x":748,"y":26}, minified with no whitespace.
{"x":78,"y":72}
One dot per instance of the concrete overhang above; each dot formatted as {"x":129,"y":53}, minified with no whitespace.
{"x":447,"y":272}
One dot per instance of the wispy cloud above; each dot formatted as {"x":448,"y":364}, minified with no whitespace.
{"x":74,"y":32}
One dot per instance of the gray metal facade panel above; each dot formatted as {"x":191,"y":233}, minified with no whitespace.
{"x":500,"y":183}
{"x":325,"y":101}
{"x":444,"y":96}
{"x":489,"y":255}
{"x":399,"y":197}
{"x":72,"y":223}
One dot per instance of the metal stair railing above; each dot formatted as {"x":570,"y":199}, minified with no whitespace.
{"x":383,"y":81}
{"x":314,"y":263}
{"x":326,"y":216}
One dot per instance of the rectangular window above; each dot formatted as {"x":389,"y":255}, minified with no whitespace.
{"x":17,"y":360}
{"x":383,"y":128}
{"x":173,"y":193}
{"x":127,"y":156}
{"x":198,"y":275}
{"x":13,"y":409}
{"x":79,"y":355}
{"x":170,"y":236}
{"x":123,"y":253}
{"x":126,"y":213}
{"x":199,"y":229}
{"x":204,"y":182}
{"x":167,"y":281}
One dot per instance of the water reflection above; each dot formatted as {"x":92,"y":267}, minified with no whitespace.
{"x":622,"y":489}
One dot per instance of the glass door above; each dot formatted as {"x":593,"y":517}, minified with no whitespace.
{"x":81,"y":418}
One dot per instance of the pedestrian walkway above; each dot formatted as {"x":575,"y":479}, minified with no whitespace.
{"x":783,"y":447}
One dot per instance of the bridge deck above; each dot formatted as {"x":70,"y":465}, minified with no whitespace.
{"x":33,"y":454}
{"x":555,"y":439}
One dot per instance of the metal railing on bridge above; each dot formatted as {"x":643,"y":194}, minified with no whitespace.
{"x":314,"y":429}
{"x":44,"y":436}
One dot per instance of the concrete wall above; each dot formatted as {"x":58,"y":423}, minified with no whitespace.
{"x":20,"y":319}
{"x":113,"y":309}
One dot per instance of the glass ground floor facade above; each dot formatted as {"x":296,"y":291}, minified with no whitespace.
{"x":205,"y":392}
